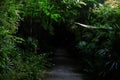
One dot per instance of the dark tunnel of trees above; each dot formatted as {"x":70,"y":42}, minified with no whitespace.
{"x":30,"y":30}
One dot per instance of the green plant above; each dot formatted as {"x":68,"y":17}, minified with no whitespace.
{"x":99,"y":48}
{"x":100,"y":51}
{"x":28,"y":66}
{"x":105,"y":15}
{"x":9,"y":18}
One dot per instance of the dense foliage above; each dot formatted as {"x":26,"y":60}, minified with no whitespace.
{"x":99,"y":47}
{"x":29,"y":28}
{"x":9,"y":17}
{"x":16,"y":64}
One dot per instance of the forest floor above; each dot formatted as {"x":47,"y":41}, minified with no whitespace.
{"x":64,"y":67}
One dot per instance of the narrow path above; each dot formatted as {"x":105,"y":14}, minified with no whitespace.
{"x":63,"y":69}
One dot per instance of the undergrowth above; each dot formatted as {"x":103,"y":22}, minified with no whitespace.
{"x":26,"y":66}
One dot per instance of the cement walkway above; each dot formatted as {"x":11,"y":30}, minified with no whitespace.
{"x":63,"y":69}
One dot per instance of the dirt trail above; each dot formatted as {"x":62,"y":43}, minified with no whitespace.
{"x":64,"y":68}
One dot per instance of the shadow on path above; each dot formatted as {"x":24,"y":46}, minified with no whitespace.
{"x":64,"y":67}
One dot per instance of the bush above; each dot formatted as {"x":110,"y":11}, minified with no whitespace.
{"x":28,"y":66}
{"x":14,"y":63}
{"x":9,"y":18}
{"x":99,"y":47}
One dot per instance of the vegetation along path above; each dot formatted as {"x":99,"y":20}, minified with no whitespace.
{"x":64,"y":68}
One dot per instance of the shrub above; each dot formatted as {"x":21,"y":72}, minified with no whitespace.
{"x":99,"y":47}
{"x":28,"y":66}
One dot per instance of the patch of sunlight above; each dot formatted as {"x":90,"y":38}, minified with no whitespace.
{"x":112,"y":3}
